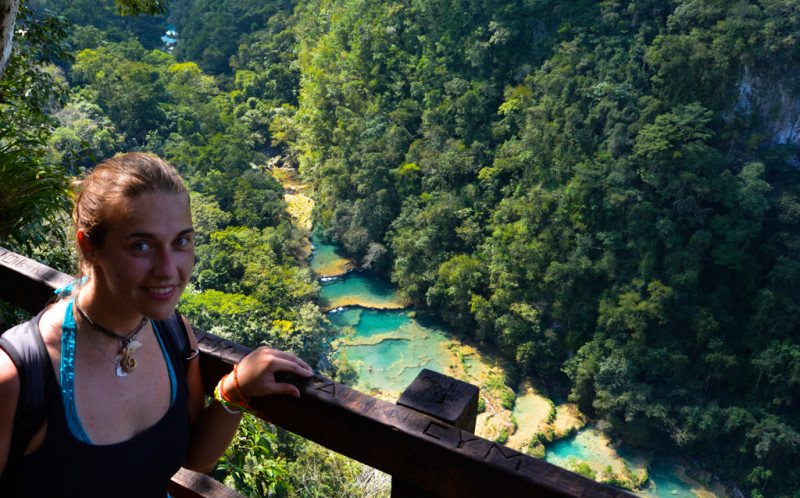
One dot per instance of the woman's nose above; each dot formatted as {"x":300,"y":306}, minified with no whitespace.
{"x":165,"y":265}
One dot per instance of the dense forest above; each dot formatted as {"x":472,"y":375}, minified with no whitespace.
{"x":608,"y":193}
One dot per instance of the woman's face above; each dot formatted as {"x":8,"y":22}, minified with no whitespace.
{"x":147,"y":256}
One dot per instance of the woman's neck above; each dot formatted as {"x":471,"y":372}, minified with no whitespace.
{"x":102,"y":309}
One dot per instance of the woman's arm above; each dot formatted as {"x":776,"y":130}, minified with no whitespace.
{"x":213,"y":426}
{"x":9,"y":395}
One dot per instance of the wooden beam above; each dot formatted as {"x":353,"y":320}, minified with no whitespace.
{"x":428,"y":455}
{"x":26,"y":283}
{"x":423,"y":452}
{"x":189,"y":484}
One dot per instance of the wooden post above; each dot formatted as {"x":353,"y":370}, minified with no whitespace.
{"x":443,"y":398}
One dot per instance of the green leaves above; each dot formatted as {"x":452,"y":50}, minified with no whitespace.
{"x":32,"y":194}
{"x":578,"y":184}
{"x":251,"y":465}
{"x":135,"y":8}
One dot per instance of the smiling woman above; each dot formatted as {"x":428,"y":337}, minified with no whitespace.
{"x":134,"y":232}
{"x":123,"y":390}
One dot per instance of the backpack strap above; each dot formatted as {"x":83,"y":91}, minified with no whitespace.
{"x":25,"y":346}
{"x":176,"y":331}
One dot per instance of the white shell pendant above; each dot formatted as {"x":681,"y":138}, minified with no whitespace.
{"x":125,"y":361}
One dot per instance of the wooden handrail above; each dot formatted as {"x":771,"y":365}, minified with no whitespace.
{"x":425,"y":455}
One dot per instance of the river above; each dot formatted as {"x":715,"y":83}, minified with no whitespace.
{"x":389,"y":344}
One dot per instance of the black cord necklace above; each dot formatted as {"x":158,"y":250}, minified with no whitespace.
{"x":124,"y":362}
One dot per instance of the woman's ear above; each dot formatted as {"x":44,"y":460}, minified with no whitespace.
{"x":86,"y":247}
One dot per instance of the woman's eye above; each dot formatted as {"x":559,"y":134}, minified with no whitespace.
{"x":183,"y":242}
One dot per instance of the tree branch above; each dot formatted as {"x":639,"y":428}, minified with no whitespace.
{"x":8,"y":14}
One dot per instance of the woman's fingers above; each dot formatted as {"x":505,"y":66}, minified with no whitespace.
{"x":297,"y":366}
{"x":256,"y":372}
{"x":284,"y":388}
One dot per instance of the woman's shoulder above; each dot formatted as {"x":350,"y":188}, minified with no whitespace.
{"x":9,"y":392}
{"x":9,"y":379}
{"x":50,"y":323}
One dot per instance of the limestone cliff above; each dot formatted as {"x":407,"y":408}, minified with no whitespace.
{"x":774,"y":100}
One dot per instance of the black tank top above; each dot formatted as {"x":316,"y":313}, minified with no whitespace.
{"x":139,"y":467}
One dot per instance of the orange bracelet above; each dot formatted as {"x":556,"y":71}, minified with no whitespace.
{"x":244,"y":398}
{"x":245,"y":403}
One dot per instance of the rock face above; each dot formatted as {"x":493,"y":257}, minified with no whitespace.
{"x":775,"y":101}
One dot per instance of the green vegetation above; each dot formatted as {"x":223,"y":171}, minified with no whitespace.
{"x":497,"y":388}
{"x":576,"y":184}
{"x":502,"y":436}
{"x":636,"y":481}
{"x":581,"y":468}
{"x":608,"y":476}
{"x":551,"y":415}
{"x":248,"y":464}
{"x":543,"y":437}
{"x":33,"y":191}
{"x":536,"y":449}
{"x":585,"y":186}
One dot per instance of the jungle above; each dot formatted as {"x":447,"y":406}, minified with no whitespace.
{"x":605,"y":193}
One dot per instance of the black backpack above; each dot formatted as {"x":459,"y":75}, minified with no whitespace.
{"x":25,"y":346}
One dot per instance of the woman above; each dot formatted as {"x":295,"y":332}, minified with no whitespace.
{"x":124,"y":411}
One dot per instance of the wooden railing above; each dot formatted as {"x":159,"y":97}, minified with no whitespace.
{"x":425,"y":441}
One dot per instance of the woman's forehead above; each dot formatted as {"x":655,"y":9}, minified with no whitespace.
{"x":156,"y":212}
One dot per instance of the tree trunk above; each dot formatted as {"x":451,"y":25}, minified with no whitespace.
{"x":8,"y":14}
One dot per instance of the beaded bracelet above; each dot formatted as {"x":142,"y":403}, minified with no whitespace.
{"x":230,"y":405}
{"x":219,"y":395}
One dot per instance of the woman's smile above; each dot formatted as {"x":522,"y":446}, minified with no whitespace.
{"x":162,"y":293}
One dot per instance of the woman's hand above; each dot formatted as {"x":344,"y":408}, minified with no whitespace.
{"x":253,"y":376}
{"x":256,"y":373}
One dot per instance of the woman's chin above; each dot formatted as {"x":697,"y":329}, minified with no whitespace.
{"x":161,"y":311}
